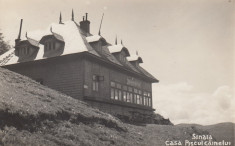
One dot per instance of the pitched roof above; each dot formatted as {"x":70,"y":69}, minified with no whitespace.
{"x":71,"y":35}
{"x":33,"y":42}
{"x":76,"y":41}
{"x":53,"y":34}
{"x":93,"y":38}
{"x":143,"y":71}
{"x":58,"y":37}
{"x":135,"y":58}
{"x":118,"y":48}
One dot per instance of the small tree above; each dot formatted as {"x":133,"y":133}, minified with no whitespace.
{"x":4,"y":46}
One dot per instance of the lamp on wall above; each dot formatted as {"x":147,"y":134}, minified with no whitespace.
{"x":97,"y":78}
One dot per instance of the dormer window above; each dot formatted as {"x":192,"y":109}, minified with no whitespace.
{"x":120,"y":52}
{"x":52,"y":42}
{"x":135,"y":60}
{"x":49,"y":46}
{"x":26,"y":47}
{"x":25,"y":50}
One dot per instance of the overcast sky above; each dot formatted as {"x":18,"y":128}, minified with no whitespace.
{"x":187,"y":44}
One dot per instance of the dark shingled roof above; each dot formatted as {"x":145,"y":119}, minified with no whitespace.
{"x":143,"y":71}
{"x":105,"y":54}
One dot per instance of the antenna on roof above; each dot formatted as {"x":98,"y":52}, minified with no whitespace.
{"x":72,"y":16}
{"x":116,"y":40}
{"x":101,"y":24}
{"x":51,"y":29}
{"x":60,"y":22}
{"x":20,"y":28}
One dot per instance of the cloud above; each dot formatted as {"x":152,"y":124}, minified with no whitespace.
{"x":182,"y":105}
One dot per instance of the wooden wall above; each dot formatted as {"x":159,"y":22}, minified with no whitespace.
{"x":110,"y":74}
{"x":64,"y":74}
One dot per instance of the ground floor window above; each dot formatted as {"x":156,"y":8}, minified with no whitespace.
{"x":95,"y":83}
{"x":116,"y":92}
{"x":129,"y":94}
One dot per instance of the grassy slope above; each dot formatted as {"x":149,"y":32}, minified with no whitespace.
{"x":222,"y":131}
{"x":31,"y":114}
{"x":219,"y":132}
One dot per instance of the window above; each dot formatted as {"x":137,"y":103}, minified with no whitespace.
{"x":124,"y":96}
{"x":138,"y":99}
{"x":147,"y":99}
{"x":128,"y":97}
{"x":28,"y":50}
{"x":53,"y":45}
{"x":25,"y":49}
{"x":49,"y":45}
{"x":129,"y":94}
{"x":112,"y":93}
{"x":46,"y":46}
{"x":116,"y":91}
{"x":134,"y":98}
{"x":95,"y":83}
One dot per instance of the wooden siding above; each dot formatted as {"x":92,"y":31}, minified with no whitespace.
{"x":64,"y":74}
{"x":110,"y":74}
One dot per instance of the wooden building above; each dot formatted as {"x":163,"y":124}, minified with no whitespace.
{"x":68,"y":58}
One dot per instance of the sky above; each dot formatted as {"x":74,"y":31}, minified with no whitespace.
{"x":187,"y":44}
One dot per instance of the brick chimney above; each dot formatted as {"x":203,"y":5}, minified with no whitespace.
{"x":85,"y":24}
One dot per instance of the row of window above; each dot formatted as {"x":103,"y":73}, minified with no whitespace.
{"x":23,"y":51}
{"x":130,"y":94}
{"x":49,"y":46}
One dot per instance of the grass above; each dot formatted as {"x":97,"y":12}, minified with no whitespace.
{"x":32,"y":114}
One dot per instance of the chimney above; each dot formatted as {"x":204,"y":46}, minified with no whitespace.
{"x":85,"y":24}
{"x":18,"y":39}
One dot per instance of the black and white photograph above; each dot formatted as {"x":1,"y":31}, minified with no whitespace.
{"x":117,"y":72}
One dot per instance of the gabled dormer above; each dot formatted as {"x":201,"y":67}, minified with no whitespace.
{"x":26,"y":47}
{"x":135,"y":60}
{"x":120,"y":52}
{"x":52,"y":43}
{"x":96,"y":41}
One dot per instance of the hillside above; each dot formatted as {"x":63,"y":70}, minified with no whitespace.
{"x":221,"y":131}
{"x":31,"y":114}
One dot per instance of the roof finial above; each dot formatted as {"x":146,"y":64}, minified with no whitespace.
{"x":60,"y":22}
{"x":116,"y":40}
{"x":137,"y":53}
{"x":121,"y":42}
{"x":72,"y":15}
{"x":86,"y":16}
{"x":26,"y":35}
{"x":101,"y":24}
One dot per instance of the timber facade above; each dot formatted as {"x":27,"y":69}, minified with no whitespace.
{"x":104,"y":75}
